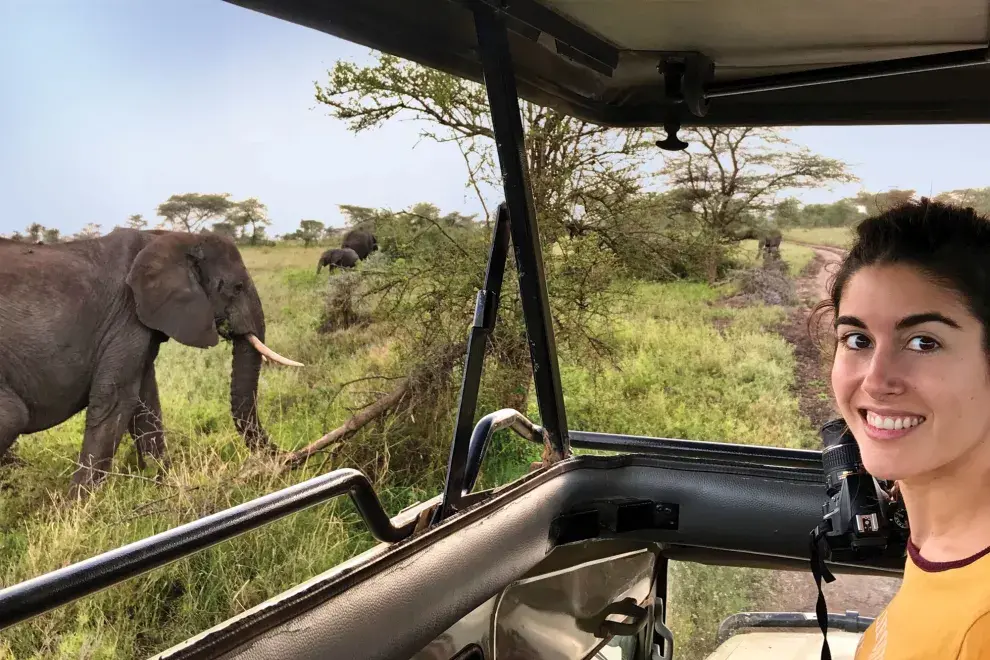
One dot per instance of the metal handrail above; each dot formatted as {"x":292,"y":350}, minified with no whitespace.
{"x":489,"y":425}
{"x":38,"y":595}
{"x":462,"y":474}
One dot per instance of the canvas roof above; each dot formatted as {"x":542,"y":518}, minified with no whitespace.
{"x":598,"y":59}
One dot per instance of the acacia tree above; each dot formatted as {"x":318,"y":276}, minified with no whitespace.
{"x":249,"y":212}
{"x":977,"y":198}
{"x":192,"y":211}
{"x":734,"y":175}
{"x":91,"y":230}
{"x":137,"y":221}
{"x":309,"y":232}
{"x":583,"y":175}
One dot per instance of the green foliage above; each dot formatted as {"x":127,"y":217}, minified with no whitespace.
{"x":249,"y":213}
{"x":585,"y":178}
{"x":843,"y":213}
{"x":733,"y":176}
{"x":309,"y":232}
{"x":137,"y":221}
{"x":977,"y":198}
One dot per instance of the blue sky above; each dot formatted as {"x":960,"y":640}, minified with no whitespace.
{"x":110,"y":106}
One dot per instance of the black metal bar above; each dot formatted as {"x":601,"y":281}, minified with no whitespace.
{"x":850,"y":622}
{"x":493,"y":45}
{"x":38,"y":595}
{"x":485,"y":316}
{"x":851,"y":72}
{"x":546,"y":20}
{"x":704,"y":450}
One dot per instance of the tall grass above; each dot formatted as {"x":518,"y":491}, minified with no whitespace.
{"x":683,"y":367}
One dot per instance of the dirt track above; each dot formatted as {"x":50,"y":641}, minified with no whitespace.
{"x":796,"y":591}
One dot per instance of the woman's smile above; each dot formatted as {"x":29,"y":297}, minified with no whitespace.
{"x":883,"y":425}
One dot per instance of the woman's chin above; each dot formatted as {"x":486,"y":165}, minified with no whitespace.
{"x":889,"y":466}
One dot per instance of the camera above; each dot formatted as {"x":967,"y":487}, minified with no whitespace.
{"x":861,"y":519}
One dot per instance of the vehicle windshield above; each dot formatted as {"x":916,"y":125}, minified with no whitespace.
{"x":326,"y":217}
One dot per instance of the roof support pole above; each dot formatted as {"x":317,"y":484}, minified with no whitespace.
{"x":496,"y":59}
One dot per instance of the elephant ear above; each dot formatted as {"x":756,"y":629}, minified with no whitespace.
{"x":168,"y":294}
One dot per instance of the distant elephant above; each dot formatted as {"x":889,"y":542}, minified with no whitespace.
{"x":769,"y":242}
{"x":338,"y":257}
{"x":81,"y":324}
{"x":361,"y":241}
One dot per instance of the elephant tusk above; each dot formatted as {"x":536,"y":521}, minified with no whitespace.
{"x":270,"y":354}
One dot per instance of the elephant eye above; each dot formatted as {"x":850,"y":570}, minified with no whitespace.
{"x":238,"y":287}
{"x":220,"y":284}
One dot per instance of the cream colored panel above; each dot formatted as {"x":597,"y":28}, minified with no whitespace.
{"x":761,"y":32}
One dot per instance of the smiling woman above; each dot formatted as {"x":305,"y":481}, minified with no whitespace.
{"x":911,"y":377}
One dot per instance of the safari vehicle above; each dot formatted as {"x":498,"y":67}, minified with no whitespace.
{"x":570,"y":560}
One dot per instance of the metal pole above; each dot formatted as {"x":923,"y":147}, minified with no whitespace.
{"x":485,"y":315}
{"x":493,"y":46}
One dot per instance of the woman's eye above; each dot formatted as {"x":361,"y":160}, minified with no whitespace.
{"x":856,"y":341}
{"x":923,"y":344}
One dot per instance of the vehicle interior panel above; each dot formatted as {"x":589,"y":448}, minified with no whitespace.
{"x":434,"y":579}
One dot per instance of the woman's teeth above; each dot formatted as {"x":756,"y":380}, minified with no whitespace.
{"x":892,"y":423}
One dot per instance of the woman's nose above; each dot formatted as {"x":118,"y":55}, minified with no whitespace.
{"x":882,"y":377}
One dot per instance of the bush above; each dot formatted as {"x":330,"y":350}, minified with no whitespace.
{"x":342,"y":309}
{"x":770,"y":284}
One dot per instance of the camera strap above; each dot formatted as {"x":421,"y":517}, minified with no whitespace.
{"x":819,"y":551}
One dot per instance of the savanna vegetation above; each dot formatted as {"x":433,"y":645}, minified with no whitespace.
{"x":640,"y":249}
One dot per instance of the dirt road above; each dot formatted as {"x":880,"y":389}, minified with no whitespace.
{"x":796,"y":591}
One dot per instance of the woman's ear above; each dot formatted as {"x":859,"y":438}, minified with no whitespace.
{"x":167,"y":292}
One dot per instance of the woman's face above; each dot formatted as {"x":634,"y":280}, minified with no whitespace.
{"x":910,"y":374}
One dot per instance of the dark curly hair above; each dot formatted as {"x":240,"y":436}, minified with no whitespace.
{"x":948,"y":244}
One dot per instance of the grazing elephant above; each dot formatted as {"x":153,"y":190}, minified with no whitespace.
{"x":339,"y":257}
{"x":361,"y":241}
{"x":81,"y":324}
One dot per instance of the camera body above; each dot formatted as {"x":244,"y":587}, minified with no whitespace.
{"x":861,"y":520}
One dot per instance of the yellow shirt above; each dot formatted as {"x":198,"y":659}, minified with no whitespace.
{"x":941,"y":611}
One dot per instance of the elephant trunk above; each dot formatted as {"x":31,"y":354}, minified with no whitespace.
{"x":249,"y":350}
{"x":244,"y":376}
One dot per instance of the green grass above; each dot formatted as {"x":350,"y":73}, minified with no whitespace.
{"x":676,"y":375}
{"x":836,"y":236}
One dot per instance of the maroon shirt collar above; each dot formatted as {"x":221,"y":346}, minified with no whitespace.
{"x":936,"y":566}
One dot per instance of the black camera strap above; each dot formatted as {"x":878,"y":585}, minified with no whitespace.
{"x":819,"y":551}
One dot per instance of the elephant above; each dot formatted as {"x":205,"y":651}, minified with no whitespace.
{"x":339,"y":257}
{"x":361,"y":241}
{"x":81,"y":324}
{"x":769,"y":243}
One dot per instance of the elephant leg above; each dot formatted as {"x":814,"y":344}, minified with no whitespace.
{"x":13,"y":419}
{"x":113,"y":400}
{"x":146,"y":425}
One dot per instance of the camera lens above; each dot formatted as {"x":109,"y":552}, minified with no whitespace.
{"x":840,"y":458}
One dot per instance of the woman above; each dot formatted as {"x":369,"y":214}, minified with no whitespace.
{"x":911,"y":377}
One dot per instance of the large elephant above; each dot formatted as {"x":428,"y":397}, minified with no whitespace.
{"x":361,"y":241}
{"x":339,"y":258}
{"x":81,"y":324}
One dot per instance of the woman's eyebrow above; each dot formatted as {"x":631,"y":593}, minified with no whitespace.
{"x":917,"y":319}
{"x":906,"y":322}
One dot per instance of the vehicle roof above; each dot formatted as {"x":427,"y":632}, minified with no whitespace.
{"x":597,"y":59}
